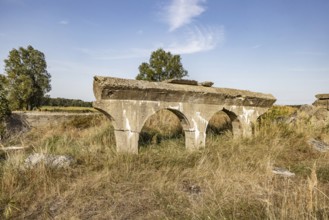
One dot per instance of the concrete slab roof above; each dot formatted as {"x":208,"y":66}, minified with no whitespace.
{"x":127,"y":89}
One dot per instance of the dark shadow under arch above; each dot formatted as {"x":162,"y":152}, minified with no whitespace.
{"x":224,"y":122}
{"x":236,"y":125}
{"x":219,"y":123}
{"x":230,"y":114}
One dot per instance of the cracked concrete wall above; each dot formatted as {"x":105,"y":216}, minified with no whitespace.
{"x":194,"y":106}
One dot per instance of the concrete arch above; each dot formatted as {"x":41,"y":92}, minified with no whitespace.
{"x":180,"y":115}
{"x":108,"y":116}
{"x":183,"y":122}
{"x":226,"y":123}
{"x":237,"y":128}
{"x":233,"y":116}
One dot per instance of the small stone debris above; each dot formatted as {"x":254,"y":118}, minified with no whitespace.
{"x":53,"y":161}
{"x":206,"y":84}
{"x":319,"y":145}
{"x":182,"y":81}
{"x":282,"y":172}
{"x":13,"y":148}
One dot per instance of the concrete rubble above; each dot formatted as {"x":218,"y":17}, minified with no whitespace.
{"x":282,"y":172}
{"x":319,"y":145}
{"x":53,"y":161}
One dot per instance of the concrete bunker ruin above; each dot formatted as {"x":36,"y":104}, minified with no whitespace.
{"x":129,"y":103}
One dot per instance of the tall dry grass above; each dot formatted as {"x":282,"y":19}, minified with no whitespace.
{"x":229,"y":179}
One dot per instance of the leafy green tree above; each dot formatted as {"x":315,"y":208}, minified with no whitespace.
{"x":4,"y":105}
{"x":27,"y":78}
{"x":162,"y":66}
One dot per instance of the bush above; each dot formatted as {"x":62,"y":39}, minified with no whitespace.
{"x":4,"y":110}
{"x":277,"y":112}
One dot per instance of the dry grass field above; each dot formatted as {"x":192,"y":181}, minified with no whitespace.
{"x":231,"y":178}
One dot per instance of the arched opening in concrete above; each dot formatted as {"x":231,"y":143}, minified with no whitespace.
{"x":237,"y":129}
{"x":107,"y":130}
{"x":163,"y":125}
{"x":223,"y":122}
{"x":219,"y":124}
{"x":105,"y":113}
{"x":262,"y":121}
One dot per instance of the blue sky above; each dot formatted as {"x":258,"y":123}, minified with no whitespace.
{"x":271,"y":46}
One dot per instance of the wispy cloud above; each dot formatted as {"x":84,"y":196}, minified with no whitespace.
{"x":64,"y":22}
{"x":196,"y":39}
{"x":181,"y":12}
{"x":199,"y":39}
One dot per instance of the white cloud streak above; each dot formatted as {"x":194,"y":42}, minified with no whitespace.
{"x":195,"y":40}
{"x":199,"y":39}
{"x":181,"y":12}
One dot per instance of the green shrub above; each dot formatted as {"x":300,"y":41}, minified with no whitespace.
{"x":277,"y":112}
{"x":4,"y":110}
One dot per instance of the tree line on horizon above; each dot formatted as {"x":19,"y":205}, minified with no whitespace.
{"x":48,"y":101}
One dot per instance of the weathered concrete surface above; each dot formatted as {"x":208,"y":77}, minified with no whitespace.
{"x":129,"y":103}
{"x":322,"y":101}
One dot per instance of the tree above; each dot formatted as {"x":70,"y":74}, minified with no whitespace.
{"x":162,"y":65}
{"x":4,"y":105}
{"x":27,"y":78}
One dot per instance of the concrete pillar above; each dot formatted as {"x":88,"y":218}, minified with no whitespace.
{"x":241,"y":129}
{"x":194,"y":139}
{"x":195,"y":136}
{"x":126,"y":141}
{"x":243,"y":118}
{"x":237,"y":129}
